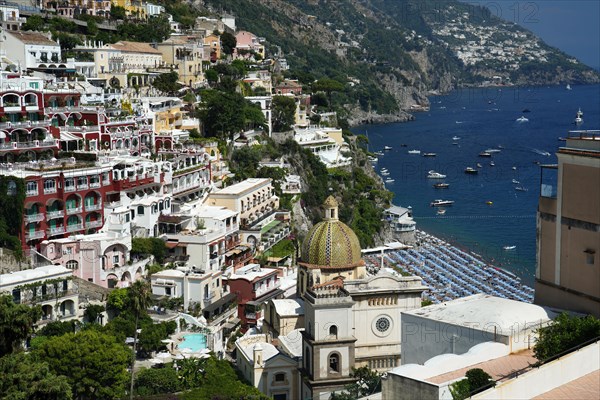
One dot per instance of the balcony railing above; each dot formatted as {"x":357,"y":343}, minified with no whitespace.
{"x":93,"y":224}
{"x":55,"y":214}
{"x":50,"y":190}
{"x":94,"y":185}
{"x":82,"y":186}
{"x":34,"y":217}
{"x":59,"y":230}
{"x":73,"y":210}
{"x":31,"y":193}
{"x":93,"y":207}
{"x":74,"y":227}
{"x":34,"y":235}
{"x":70,"y":188}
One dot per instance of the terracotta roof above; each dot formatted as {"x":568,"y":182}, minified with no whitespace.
{"x":336,"y":283}
{"x":33,"y":37}
{"x":135,"y":47}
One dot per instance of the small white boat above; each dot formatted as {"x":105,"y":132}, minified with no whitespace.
{"x":384,"y":169}
{"x":514,"y":168}
{"x":492,"y":151}
{"x":470,"y":170}
{"x":522,"y":119}
{"x":509,"y":247}
{"x":414,"y":152}
{"x":389,"y":180}
{"x":479,"y":165}
{"x":385,"y":173}
{"x":373,"y":159}
{"x":568,"y":87}
{"x":429,"y":154}
{"x":455,"y":138}
{"x":516,"y":182}
{"x":440,"y":203}
{"x":435,"y":175}
{"x":578,"y":118}
{"x":492,"y":164}
{"x":441,"y":211}
{"x":521,"y":189}
{"x":378,"y":153}
{"x":387,"y":148}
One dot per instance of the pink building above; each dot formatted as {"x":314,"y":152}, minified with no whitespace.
{"x":248,"y":44}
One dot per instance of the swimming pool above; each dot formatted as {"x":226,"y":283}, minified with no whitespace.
{"x":194,"y":342}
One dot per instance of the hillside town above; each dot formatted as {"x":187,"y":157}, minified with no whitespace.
{"x":148,"y":248}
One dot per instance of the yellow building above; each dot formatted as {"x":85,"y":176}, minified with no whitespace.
{"x":212,"y":48}
{"x":186,"y":53}
{"x":568,"y":225}
{"x":132,"y":7}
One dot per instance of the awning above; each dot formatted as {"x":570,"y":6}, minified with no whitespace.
{"x":68,"y":136}
{"x":221,"y":302}
{"x":231,"y":324}
{"x":171,"y":245}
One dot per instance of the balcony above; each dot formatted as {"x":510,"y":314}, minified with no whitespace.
{"x":50,"y":190}
{"x":94,"y":185}
{"x":93,"y":207}
{"x":74,"y":210}
{"x":59,"y":230}
{"x":74,"y":227}
{"x":31,"y":193}
{"x":55,"y":214}
{"x":34,"y":235}
{"x":34,"y":217}
{"x":82,"y":186}
{"x":70,"y":188}
{"x":93,"y":224}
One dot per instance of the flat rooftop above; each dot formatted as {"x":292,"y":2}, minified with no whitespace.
{"x":497,"y":367}
{"x":585,"y":388}
{"x":243,"y":186}
{"x":495,"y":311}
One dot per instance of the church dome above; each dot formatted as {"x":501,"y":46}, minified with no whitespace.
{"x":331,"y":243}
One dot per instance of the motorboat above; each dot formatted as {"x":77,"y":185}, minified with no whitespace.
{"x":470,"y":170}
{"x":479,"y":165}
{"x":384,"y":169}
{"x":568,"y":87}
{"x":522,"y":119}
{"x":385,"y":173}
{"x":441,"y":185}
{"x":514,"y":168}
{"x":435,"y":175}
{"x":455,"y":138}
{"x":373,"y":159}
{"x":429,"y":154}
{"x":521,"y":189}
{"x":516,"y":182}
{"x":441,"y":211}
{"x":509,"y":247}
{"x":387,"y":148}
{"x":492,"y":164}
{"x":389,"y":180}
{"x":414,"y":152}
{"x":440,"y":203}
{"x":378,"y":153}
{"x":491,"y":151}
{"x":578,"y":118}
{"x":489,"y":203}
{"x":485,"y":154}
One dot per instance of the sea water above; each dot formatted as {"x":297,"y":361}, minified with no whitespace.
{"x":488,"y":213}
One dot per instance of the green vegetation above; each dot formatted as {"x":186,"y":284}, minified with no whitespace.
{"x":564,"y":333}
{"x":149,"y":246}
{"x":476,"y":381}
{"x":16,"y":323}
{"x":12,"y":200}
{"x":167,"y":83}
{"x":367,"y":383}
{"x":283,"y":113}
{"x":224,"y":114}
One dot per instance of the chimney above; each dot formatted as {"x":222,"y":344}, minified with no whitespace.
{"x":258,"y":355}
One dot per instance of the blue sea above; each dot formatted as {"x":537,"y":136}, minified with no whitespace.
{"x":488,"y":212}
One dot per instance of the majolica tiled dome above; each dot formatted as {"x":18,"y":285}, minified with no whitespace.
{"x":331,"y":243}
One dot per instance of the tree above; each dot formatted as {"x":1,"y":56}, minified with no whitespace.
{"x":167,"y":83}
{"x":284,"y":113}
{"x":92,"y":312}
{"x":24,"y":378}
{"x":117,"y":12}
{"x":16,"y":323}
{"x":94,"y":363}
{"x":118,"y":300}
{"x":221,"y":113}
{"x":328,"y":86}
{"x":139,"y":300}
{"x":228,"y":43}
{"x":157,"y":380}
{"x":34,"y":23}
{"x":57,"y":328}
{"x":149,"y":246}
{"x":476,"y":381}
{"x":367,"y":383}
{"x":564,"y":333}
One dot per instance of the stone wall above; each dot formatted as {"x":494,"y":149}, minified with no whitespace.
{"x":89,"y":291}
{"x":9,"y":264}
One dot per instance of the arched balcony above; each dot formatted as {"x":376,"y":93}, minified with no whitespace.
{"x":73,"y":204}
{"x":93,"y":201}
{"x":74,"y":223}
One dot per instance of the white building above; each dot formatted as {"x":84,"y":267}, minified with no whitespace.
{"x":10,"y":18}
{"x":50,"y":287}
{"x":326,"y":143}
{"x":154,"y":9}
{"x":31,"y":49}
{"x":456,"y":326}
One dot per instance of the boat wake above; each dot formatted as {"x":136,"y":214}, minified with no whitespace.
{"x":541,"y":152}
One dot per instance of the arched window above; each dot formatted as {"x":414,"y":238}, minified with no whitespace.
{"x":280,"y":377}
{"x":140,"y":210}
{"x":334,"y":362}
{"x":72,"y":264}
{"x":333,"y":331}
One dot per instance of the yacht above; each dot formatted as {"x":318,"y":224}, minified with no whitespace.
{"x":387,"y":148}
{"x":509,"y":247}
{"x":441,"y":185}
{"x":470,"y":170}
{"x":485,"y":154}
{"x":385,"y":173}
{"x":578,"y":119}
{"x":522,"y":119}
{"x":455,"y":138}
{"x":378,"y":153}
{"x":389,"y":180}
{"x":491,"y":151}
{"x":414,"y":152}
{"x":516,"y":182}
{"x":373,"y":159}
{"x":435,"y":175}
{"x":521,"y":189}
{"x":439,"y":203}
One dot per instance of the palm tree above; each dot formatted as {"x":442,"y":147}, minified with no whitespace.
{"x":139,"y":300}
